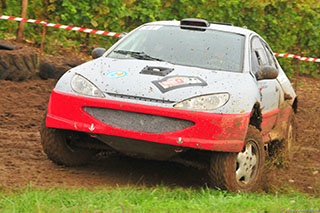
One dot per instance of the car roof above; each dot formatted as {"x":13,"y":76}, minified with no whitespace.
{"x":214,"y":26}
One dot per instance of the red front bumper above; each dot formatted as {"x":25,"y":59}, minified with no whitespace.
{"x":211,"y":131}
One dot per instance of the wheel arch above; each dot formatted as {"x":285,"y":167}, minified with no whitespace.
{"x":295,"y":105}
{"x":256,"y":116}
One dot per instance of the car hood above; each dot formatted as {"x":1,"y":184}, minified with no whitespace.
{"x":124,"y":77}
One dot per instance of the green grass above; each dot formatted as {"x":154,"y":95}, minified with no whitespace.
{"x":154,"y":199}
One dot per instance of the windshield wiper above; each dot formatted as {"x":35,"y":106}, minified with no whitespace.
{"x":138,"y":55}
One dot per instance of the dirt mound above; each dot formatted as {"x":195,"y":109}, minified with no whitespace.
{"x":22,"y":105}
{"x":17,"y":62}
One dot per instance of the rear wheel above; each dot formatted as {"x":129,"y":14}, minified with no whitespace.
{"x":58,"y":145}
{"x":279,"y":151}
{"x":290,"y":137}
{"x":239,"y":171}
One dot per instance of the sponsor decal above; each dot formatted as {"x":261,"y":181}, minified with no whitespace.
{"x":116,"y":74}
{"x":174,"y":82}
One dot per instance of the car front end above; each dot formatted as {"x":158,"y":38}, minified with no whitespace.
{"x":159,"y":98}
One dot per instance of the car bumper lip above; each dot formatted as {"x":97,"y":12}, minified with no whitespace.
{"x":211,"y":131}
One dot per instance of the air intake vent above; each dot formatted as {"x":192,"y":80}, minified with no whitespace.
{"x":194,"y":22}
{"x":138,"y":121}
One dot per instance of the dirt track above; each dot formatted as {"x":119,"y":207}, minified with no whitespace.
{"x":22,"y":161}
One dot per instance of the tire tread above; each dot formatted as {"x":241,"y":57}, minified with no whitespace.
{"x":54,"y":145}
{"x":222,"y":167}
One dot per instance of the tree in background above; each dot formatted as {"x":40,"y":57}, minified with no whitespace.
{"x":288,"y":26}
{"x":3,"y":4}
{"x":20,"y":33}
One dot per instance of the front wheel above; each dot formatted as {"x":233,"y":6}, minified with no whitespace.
{"x":239,"y":171}
{"x":58,"y":145}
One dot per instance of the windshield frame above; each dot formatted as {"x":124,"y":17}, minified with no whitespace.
{"x":242,"y":52}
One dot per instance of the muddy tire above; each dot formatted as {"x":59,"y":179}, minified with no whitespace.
{"x":17,"y":63}
{"x":5,"y":46}
{"x":57,"y":144}
{"x":55,"y":67}
{"x":280,"y":151}
{"x":287,"y":143}
{"x":239,"y":172}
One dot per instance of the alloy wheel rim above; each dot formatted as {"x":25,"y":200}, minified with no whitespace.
{"x":246,"y":163}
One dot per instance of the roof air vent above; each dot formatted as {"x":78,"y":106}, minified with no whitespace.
{"x":194,"y":22}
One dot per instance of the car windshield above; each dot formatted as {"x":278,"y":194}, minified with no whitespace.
{"x":210,"y":49}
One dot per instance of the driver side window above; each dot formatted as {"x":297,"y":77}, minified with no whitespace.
{"x":258,"y":55}
{"x":271,"y":57}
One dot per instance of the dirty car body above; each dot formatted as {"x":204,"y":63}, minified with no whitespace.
{"x":173,"y":86}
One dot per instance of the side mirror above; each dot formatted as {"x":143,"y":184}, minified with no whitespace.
{"x":267,"y":72}
{"x":98,"y":52}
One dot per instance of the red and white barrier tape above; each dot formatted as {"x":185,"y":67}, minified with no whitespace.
{"x":297,"y":57}
{"x":80,"y":29}
{"x":309,"y":59}
{"x":101,"y":32}
{"x":287,"y":55}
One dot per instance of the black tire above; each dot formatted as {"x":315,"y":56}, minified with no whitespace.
{"x":280,"y":151}
{"x":57,"y":145}
{"x":17,"y":64}
{"x":287,"y":143}
{"x":224,"y":166}
{"x":6,"y":47}
{"x":55,"y":67}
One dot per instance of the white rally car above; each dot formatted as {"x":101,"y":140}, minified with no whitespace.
{"x":191,"y":91}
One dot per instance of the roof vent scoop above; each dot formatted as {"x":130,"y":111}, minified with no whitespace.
{"x":194,"y":22}
{"x":160,"y":71}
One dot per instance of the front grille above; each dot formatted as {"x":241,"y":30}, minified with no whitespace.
{"x":138,"y":121}
{"x":141,"y":98}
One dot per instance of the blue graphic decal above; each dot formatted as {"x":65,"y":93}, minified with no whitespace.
{"x":116,"y":74}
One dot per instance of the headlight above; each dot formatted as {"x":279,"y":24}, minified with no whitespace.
{"x":83,"y":86}
{"x":205,"y":102}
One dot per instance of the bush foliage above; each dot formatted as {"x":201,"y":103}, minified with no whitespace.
{"x":288,"y":26}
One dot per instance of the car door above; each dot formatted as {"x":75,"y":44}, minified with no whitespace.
{"x":269,"y":88}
